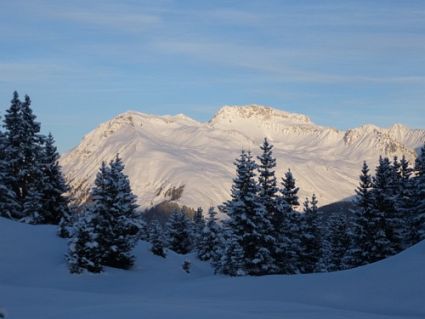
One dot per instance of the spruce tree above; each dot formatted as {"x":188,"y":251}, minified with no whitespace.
{"x":287,"y":227}
{"x":210,"y":240}
{"x":114,"y":207}
{"x":289,"y":190}
{"x":248,"y":221}
{"x":340,"y":243}
{"x":232,"y":261}
{"x":156,"y":238}
{"x":33,"y":207}
{"x":361,"y":229}
{"x":8,"y":204}
{"x":84,"y":248}
{"x":30,"y":174}
{"x":266,"y":178}
{"x":310,"y":257}
{"x":14,"y":156}
{"x":67,"y":222}
{"x":53,"y":188}
{"x":405,"y":200}
{"x":367,"y":232}
{"x":287,"y":247}
{"x":198,"y":227}
{"x":384,"y":193}
{"x":418,"y":211}
{"x":179,"y":236}
{"x":23,"y":155}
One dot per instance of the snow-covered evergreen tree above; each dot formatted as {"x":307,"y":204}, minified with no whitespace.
{"x":179,"y":235}
{"x":84,"y":250}
{"x":143,"y":228}
{"x":232,"y":261}
{"x":287,"y":234}
{"x":367,"y":232}
{"x":289,"y":190}
{"x":14,"y":156}
{"x":30,"y":174}
{"x":53,"y":186}
{"x":339,"y":243}
{"x":418,"y":211}
{"x":384,"y":194}
{"x":33,"y":207}
{"x":310,"y":258}
{"x":248,"y":221}
{"x":210,"y":240}
{"x":8,"y":204}
{"x":266,"y":178}
{"x":405,"y":200}
{"x":67,"y":222}
{"x":114,"y":207}
{"x":32,"y":171}
{"x":198,"y":227}
{"x":156,"y":236}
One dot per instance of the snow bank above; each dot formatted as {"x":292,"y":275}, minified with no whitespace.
{"x":35,"y":283}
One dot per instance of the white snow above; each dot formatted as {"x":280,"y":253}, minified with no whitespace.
{"x":162,"y":152}
{"x":35,"y":283}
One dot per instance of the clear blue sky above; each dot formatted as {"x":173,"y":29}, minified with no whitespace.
{"x":343,"y":63}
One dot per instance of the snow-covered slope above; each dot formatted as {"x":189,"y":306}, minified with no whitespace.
{"x":169,"y":156}
{"x":35,"y":283}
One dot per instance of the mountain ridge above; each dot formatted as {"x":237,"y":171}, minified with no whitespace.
{"x":162,"y":153}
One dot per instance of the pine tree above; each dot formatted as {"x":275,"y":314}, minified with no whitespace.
{"x":248,"y":220}
{"x":210,"y":240}
{"x":232,"y":261}
{"x":313,"y":208}
{"x":23,"y":153}
{"x":13,"y":154}
{"x":306,"y":205}
{"x":405,"y":200}
{"x":157,"y":238}
{"x":311,"y":254}
{"x":33,"y":207}
{"x":179,"y":236}
{"x":114,"y":207}
{"x":198,"y":227}
{"x":84,"y":250}
{"x":67,"y":222}
{"x":418,"y":211}
{"x":369,"y":242}
{"x":289,"y":190}
{"x":287,"y":232}
{"x":340,"y":243}
{"x":143,"y":228}
{"x":361,"y":228}
{"x":30,"y":173}
{"x":384,"y":192}
{"x":53,"y":187}
{"x":8,"y":204}
{"x":266,"y":178}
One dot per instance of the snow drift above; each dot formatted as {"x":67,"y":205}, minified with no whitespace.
{"x":35,"y":283}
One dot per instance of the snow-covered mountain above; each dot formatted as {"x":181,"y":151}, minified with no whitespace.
{"x":178,"y":158}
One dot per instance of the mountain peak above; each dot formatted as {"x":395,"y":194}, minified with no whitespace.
{"x":230,"y":113}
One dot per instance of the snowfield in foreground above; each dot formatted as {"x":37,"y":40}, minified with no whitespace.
{"x":35,"y":283}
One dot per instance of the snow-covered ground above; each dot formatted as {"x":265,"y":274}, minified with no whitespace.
{"x":35,"y":283}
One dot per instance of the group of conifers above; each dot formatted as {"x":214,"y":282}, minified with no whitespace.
{"x":263,"y":230}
